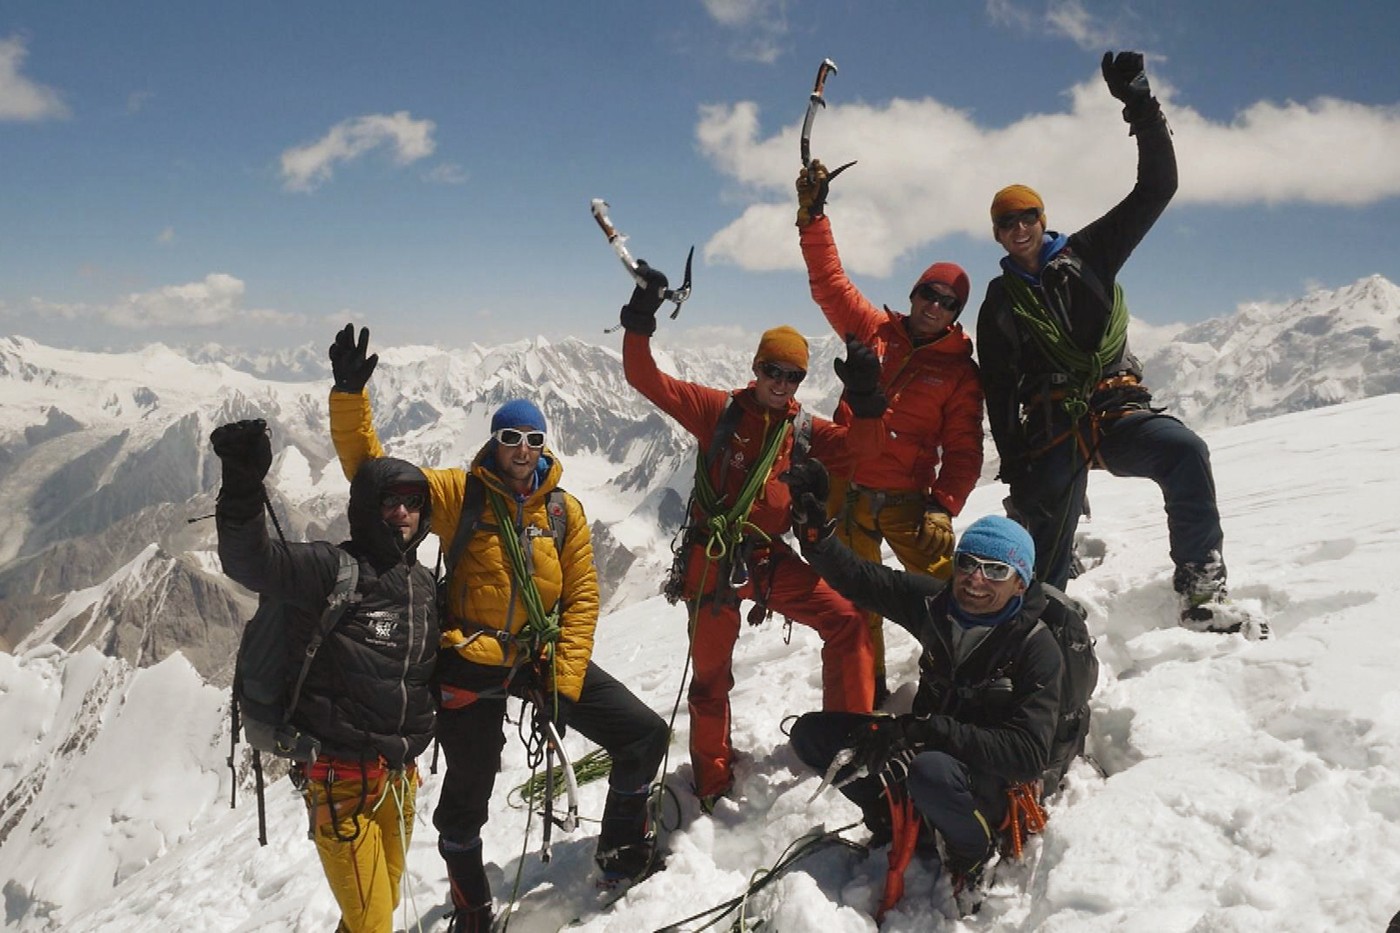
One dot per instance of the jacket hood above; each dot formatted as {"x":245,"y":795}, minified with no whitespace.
{"x":368,"y":529}
{"x":1050,"y":247}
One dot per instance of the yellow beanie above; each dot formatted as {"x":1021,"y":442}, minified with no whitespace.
{"x":783,"y":345}
{"x":1014,"y":198}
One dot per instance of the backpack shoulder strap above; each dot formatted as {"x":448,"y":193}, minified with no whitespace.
{"x":340,"y":598}
{"x":556,"y":505}
{"x":473,"y":502}
{"x":724,"y":430}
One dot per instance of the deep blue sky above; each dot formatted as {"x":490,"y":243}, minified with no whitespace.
{"x":150,"y":190}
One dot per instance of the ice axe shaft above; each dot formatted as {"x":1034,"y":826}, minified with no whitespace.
{"x":815,"y":101}
{"x":618,"y":241}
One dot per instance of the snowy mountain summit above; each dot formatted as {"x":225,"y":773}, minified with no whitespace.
{"x":1243,"y":785}
{"x":1240,"y":785}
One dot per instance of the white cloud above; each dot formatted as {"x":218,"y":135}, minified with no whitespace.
{"x":733,"y":13}
{"x":928,"y":171}
{"x":1067,"y":19}
{"x":306,"y":167}
{"x":446,"y":173}
{"x":757,"y":27}
{"x":215,"y":301}
{"x":22,"y":99}
{"x":166,"y":236}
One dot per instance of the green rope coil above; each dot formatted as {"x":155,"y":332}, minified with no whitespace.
{"x":1086,"y":368}
{"x":591,"y":767}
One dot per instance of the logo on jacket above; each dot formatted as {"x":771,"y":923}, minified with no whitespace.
{"x":383,"y":626}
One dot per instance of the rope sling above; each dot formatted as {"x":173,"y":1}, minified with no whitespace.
{"x":1085,"y":368}
{"x":728,"y":528}
{"x":541,"y":631}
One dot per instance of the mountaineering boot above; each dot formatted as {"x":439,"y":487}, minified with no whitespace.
{"x":626,"y":846}
{"x":471,"y":892}
{"x":1201,"y":587}
{"x":471,"y":920}
{"x":708,"y":802}
{"x":965,"y":874}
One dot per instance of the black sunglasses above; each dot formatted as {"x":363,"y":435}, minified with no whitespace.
{"x":1029,"y":216}
{"x":778,"y":374}
{"x":413,"y":501}
{"x":928,"y":293}
{"x":993,"y":570}
{"x":513,"y":437}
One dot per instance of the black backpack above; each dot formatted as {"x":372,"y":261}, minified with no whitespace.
{"x":1065,"y":619}
{"x":268,"y":675}
{"x":271,"y":669}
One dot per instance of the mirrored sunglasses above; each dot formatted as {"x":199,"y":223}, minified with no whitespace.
{"x":928,"y":293}
{"x":993,"y":570}
{"x":412,"y":501}
{"x":1029,"y":217}
{"x":513,"y":437}
{"x":778,"y":374}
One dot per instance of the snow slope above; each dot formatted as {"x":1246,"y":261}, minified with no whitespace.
{"x":1249,"y":785}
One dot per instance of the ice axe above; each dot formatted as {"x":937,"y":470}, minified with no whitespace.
{"x":816,"y":100}
{"x":618,"y":241}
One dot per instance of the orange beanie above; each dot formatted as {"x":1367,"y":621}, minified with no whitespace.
{"x":1014,"y":198}
{"x":783,"y":345}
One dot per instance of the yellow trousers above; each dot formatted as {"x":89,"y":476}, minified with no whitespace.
{"x":362,"y":828}
{"x":866,"y":518}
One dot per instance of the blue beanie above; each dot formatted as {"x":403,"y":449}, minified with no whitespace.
{"x":998,"y":538}
{"x":518,"y":413}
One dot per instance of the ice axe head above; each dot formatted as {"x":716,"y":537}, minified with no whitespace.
{"x":815,"y":100}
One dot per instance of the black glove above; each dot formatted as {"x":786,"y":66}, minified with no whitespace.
{"x":553,"y":707}
{"x":813,"y":185}
{"x":859,"y":372}
{"x":349,"y":364}
{"x":809,"y":486}
{"x":1127,"y":81}
{"x":878,"y":741}
{"x":245,"y":451}
{"x":639,"y":314}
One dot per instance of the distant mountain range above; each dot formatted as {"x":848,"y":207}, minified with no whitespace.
{"x":105,"y":471}
{"x":1268,"y":360}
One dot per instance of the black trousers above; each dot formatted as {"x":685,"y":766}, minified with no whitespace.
{"x":471,"y":736}
{"x":939,"y":784}
{"x":1157,"y":447}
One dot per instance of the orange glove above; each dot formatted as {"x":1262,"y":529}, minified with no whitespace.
{"x":935,"y":537}
{"x":811,"y":193}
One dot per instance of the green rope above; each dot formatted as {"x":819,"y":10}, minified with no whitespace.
{"x":727,"y":528}
{"x":591,"y":767}
{"x":1085,"y":367}
{"x":542,"y":629}
{"x":799,"y":849}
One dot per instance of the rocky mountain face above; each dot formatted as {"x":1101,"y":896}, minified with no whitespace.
{"x":107,"y":481}
{"x":105,"y":468}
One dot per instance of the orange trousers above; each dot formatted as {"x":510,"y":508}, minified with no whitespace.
{"x":790,"y":587}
